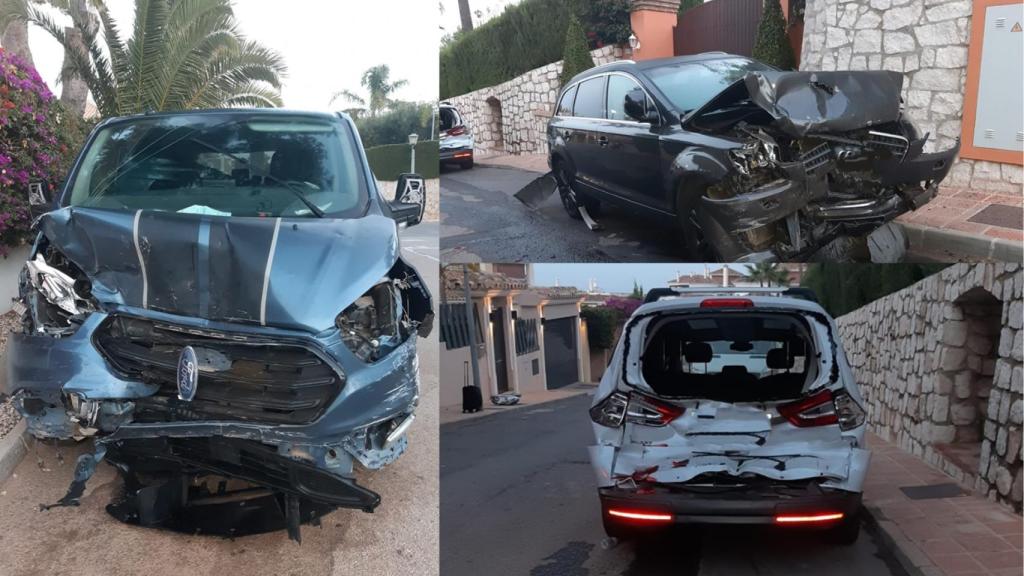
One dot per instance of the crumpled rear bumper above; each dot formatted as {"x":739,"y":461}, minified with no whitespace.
{"x":741,"y":506}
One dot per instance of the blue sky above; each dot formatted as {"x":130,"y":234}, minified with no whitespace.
{"x":615,"y":277}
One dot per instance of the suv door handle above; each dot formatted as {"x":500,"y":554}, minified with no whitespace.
{"x":602,"y":141}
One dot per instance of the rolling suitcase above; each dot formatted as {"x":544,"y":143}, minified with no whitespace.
{"x":472,"y":399}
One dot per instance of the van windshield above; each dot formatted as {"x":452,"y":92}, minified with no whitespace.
{"x":224,"y":166}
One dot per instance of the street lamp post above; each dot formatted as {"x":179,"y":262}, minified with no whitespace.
{"x":413,"y":139}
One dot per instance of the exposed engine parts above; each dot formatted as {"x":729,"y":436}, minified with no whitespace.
{"x":56,"y":295}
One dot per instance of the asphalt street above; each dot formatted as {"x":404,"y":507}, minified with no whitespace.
{"x":518,"y":497}
{"x":482,"y":221}
{"x":401,"y":537}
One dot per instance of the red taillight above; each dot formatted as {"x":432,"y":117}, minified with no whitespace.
{"x":806,"y":518}
{"x":641,"y":516}
{"x":457,"y":131}
{"x":817,"y":409}
{"x":636,"y":408}
{"x":727,"y":303}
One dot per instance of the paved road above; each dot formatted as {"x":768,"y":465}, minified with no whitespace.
{"x":518,"y":497}
{"x":482,"y":221}
{"x":401,"y":537}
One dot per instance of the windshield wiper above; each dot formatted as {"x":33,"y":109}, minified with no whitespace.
{"x":295,"y":191}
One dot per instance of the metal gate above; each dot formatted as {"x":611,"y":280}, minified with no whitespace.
{"x":560,"y":367}
{"x":720,"y":25}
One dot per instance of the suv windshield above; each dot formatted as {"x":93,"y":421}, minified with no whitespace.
{"x":689,"y":85}
{"x":224,"y":166}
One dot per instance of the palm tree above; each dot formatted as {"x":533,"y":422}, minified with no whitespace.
{"x":377,"y":81}
{"x":182,"y":55}
{"x":465,"y":15}
{"x":768,"y":273}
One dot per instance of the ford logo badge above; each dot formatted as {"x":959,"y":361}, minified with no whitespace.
{"x":188,"y":374}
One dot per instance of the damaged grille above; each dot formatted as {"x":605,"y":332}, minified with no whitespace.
{"x":816,"y":157}
{"x":240,"y":377}
{"x":895,"y":143}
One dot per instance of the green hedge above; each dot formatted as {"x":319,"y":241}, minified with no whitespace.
{"x":526,"y":36}
{"x":391,"y":160}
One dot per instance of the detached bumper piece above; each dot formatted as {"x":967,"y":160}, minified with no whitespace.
{"x":225,"y":487}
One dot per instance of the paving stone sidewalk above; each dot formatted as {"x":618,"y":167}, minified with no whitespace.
{"x":961,"y":535}
{"x":953,"y":209}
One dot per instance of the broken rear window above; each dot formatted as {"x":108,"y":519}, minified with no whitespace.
{"x":224,"y":166}
{"x":729,"y":358}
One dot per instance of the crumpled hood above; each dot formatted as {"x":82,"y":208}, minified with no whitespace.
{"x":802,"y":103}
{"x":289,"y":273}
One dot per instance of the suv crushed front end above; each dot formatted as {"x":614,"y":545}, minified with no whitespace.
{"x":807,"y":157}
{"x":248,"y":365}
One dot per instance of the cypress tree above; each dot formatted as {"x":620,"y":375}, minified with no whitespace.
{"x":576,"y":57}
{"x":687,"y":4}
{"x":772,"y":45}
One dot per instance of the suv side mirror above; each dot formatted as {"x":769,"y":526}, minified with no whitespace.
{"x":410,"y":200}
{"x":636,"y":108}
{"x":39,"y":202}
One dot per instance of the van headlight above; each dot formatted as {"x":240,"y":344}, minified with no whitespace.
{"x":372,"y":326}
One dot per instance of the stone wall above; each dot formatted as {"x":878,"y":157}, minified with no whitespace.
{"x":925,"y":39}
{"x":512,"y":117}
{"x":939,"y":365}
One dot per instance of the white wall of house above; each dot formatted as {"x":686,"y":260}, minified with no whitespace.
{"x":10,"y":269}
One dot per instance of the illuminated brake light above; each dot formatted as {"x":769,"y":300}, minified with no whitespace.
{"x":727,"y":303}
{"x":796,"y":519}
{"x":644,"y":516}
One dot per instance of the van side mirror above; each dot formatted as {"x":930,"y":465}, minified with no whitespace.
{"x":636,"y":107}
{"x":410,"y":200}
{"x":39,"y":201}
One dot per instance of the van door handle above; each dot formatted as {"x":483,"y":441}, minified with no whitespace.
{"x":602,"y":141}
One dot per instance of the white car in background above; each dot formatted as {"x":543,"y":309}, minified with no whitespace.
{"x":456,"y":139}
{"x":729,"y":407}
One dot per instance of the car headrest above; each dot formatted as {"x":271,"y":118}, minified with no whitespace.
{"x":734,"y":371}
{"x":697,"y":352}
{"x":779,"y":359}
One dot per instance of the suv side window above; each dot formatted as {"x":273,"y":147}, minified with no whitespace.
{"x":590,"y":98}
{"x":565,"y":104}
{"x":618,"y":87}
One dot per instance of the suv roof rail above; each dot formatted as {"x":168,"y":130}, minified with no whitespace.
{"x":656,"y":294}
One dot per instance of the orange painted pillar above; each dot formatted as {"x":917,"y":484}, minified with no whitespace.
{"x":653,"y":22}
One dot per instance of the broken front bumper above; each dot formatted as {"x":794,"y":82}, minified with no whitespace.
{"x":914,"y":181}
{"x":76,"y":386}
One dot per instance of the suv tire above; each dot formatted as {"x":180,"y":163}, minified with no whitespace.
{"x":694,"y":242}
{"x":570,"y":198}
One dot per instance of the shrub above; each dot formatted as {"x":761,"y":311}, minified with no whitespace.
{"x":772,"y":45}
{"x":601,"y":325}
{"x":388,"y":161}
{"x":38,"y":142}
{"x":576,"y":58}
{"x":687,"y":4}
{"x":527,"y":35}
{"x":395,"y":125}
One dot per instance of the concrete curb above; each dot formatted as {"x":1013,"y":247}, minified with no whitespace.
{"x":931,"y":239}
{"x":910,"y":557}
{"x":12,"y":450}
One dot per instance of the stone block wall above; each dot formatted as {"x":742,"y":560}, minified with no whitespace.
{"x":512,"y":117}
{"x":939,"y":365}
{"x":926,"y":40}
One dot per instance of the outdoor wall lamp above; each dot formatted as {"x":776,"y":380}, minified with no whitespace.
{"x":413,"y":139}
{"x":634,"y":42}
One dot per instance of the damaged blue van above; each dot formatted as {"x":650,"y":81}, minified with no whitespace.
{"x":220,"y":295}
